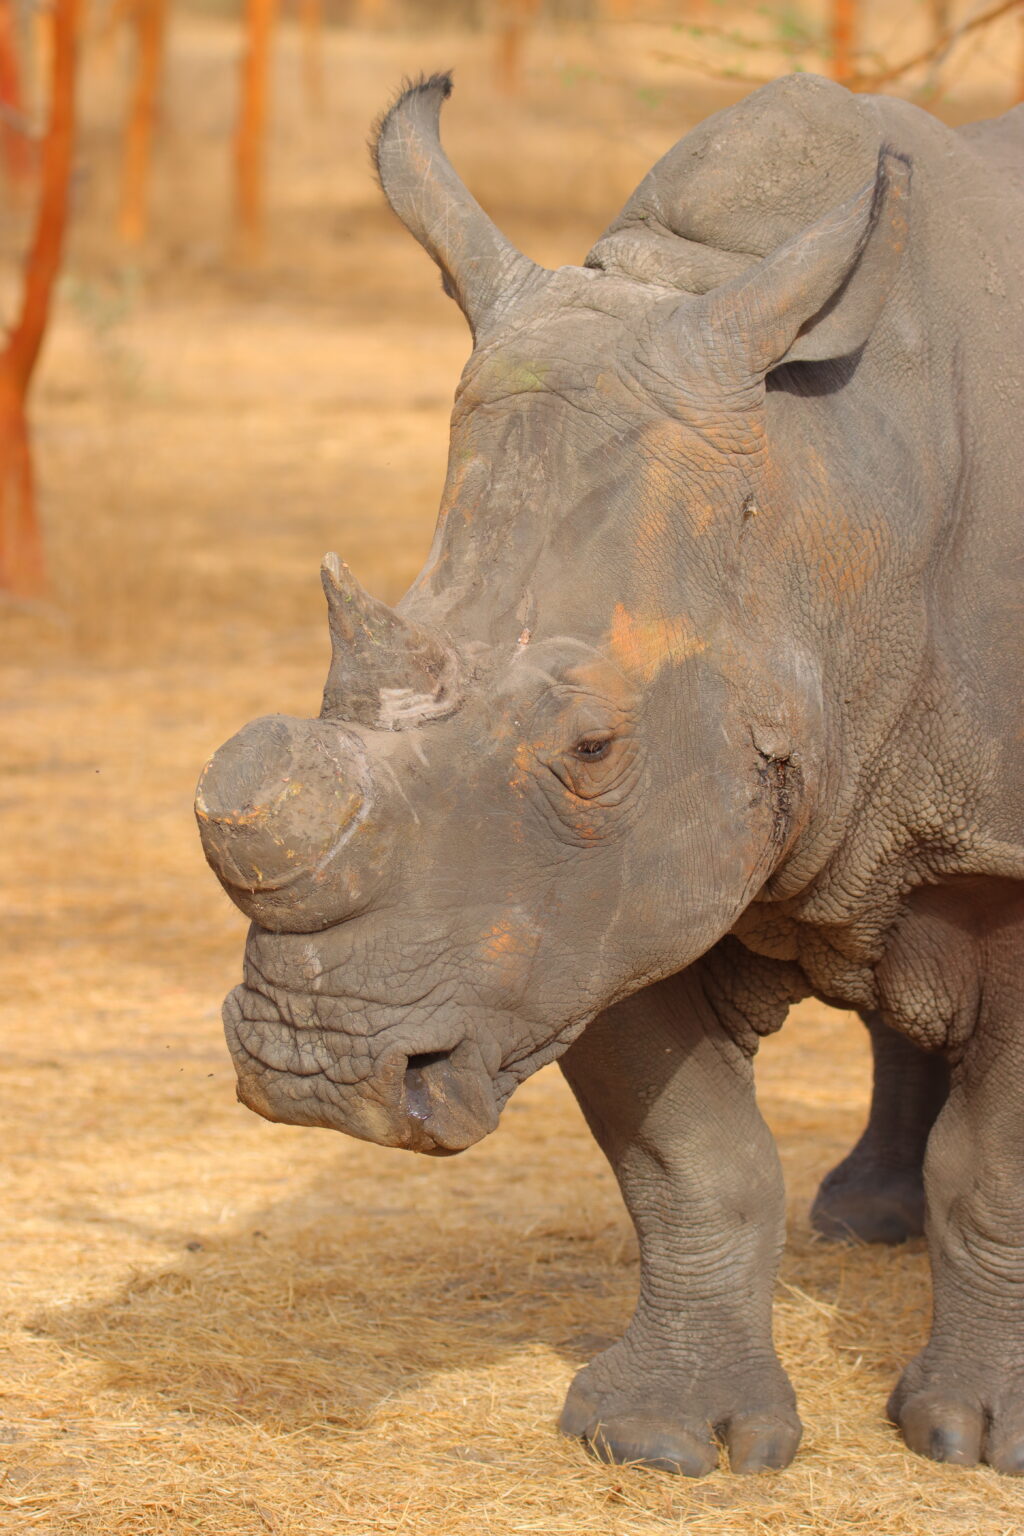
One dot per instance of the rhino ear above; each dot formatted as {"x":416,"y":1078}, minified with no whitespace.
{"x":819,"y":295}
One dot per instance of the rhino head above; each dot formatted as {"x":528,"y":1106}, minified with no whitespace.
{"x":589,"y":736}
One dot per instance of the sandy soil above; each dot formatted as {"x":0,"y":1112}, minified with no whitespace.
{"x":214,"y":1325}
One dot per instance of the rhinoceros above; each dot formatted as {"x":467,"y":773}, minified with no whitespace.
{"x":707,"y":699}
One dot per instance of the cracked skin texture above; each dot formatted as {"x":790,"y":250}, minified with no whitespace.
{"x":729,"y":556}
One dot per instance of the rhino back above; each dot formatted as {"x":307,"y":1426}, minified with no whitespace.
{"x":999,"y":141}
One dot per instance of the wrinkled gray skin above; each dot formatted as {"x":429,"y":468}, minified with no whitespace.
{"x":707,"y":699}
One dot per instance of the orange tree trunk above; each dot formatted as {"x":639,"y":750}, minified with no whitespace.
{"x":844,"y":13}
{"x":15,"y":146}
{"x":22,"y":570}
{"x":516,"y":16}
{"x":21,"y":553}
{"x":940,"y":11}
{"x":252,"y":122}
{"x":149,"y":17}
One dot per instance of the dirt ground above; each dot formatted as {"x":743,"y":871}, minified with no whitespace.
{"x":211,"y":1324}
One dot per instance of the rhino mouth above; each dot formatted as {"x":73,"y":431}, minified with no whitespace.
{"x":437,"y":1102}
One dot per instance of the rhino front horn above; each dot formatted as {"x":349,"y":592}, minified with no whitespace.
{"x":386,"y":671}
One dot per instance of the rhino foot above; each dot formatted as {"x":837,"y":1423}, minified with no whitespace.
{"x":947,"y":1416}
{"x":869,"y":1203}
{"x":876,"y":1194}
{"x":681,"y":1431}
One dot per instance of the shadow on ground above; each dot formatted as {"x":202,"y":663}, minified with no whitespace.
{"x":316,"y":1310}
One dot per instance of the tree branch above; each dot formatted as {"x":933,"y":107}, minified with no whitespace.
{"x":937,"y":50}
{"x":939,"y":47}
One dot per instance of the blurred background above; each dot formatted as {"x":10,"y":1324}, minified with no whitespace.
{"x":224,"y":357}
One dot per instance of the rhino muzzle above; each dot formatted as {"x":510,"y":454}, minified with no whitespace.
{"x":437,"y":1102}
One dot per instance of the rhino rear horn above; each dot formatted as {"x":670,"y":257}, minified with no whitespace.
{"x":482,"y":271}
{"x":386,"y":671}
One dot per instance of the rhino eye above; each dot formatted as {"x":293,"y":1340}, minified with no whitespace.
{"x":591,"y":749}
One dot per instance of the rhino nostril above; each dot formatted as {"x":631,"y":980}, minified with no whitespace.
{"x":418,"y":1098}
{"x":426,"y":1059}
{"x":447,"y":1099}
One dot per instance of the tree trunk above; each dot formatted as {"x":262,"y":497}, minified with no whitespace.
{"x":149,"y":17}
{"x":15,"y":144}
{"x":21,"y":553}
{"x":252,"y":124}
{"x":516,"y":16}
{"x":844,"y":13}
{"x":941,"y":17}
{"x":22,"y":567}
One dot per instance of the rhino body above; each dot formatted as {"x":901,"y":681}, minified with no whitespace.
{"x":707,"y":699}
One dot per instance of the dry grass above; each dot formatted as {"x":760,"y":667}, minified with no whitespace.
{"x":212,"y":1325}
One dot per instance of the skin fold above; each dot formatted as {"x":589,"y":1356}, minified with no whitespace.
{"x":706,"y":700}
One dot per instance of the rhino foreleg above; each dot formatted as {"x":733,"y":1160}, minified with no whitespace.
{"x":669,"y":1096}
{"x":876,"y":1193}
